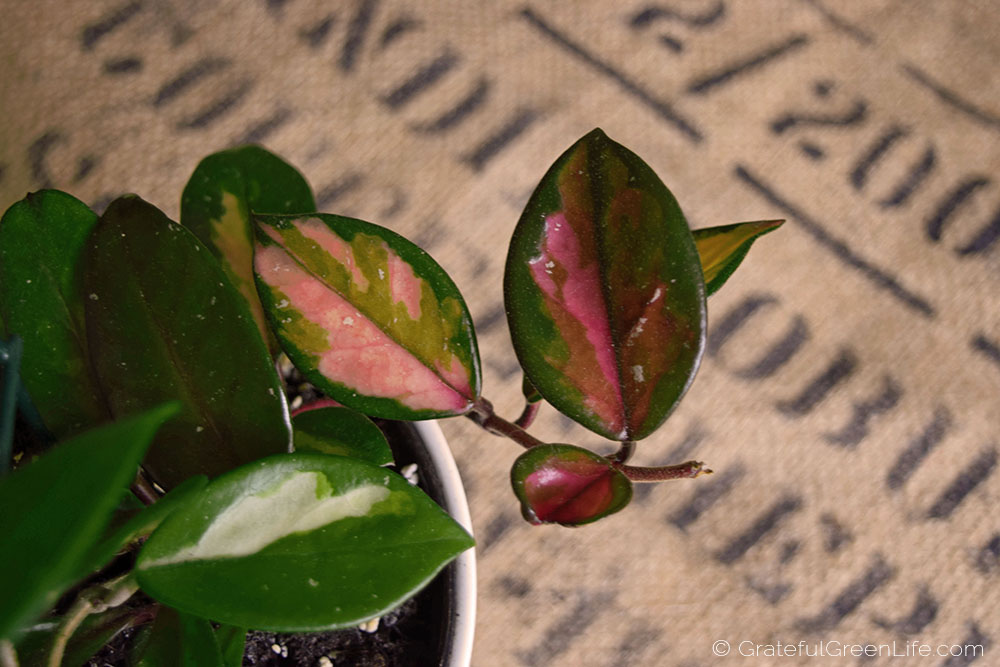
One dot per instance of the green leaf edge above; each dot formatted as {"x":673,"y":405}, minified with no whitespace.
{"x":63,"y":573}
{"x":737,"y":257}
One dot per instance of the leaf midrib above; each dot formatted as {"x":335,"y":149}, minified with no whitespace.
{"x":600,"y":218}
{"x":183,"y":375}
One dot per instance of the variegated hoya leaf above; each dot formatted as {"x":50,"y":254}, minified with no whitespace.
{"x":568,"y":485}
{"x":722,"y":249}
{"x":604,"y":291}
{"x":367,"y":316}
{"x":217,"y":202}
{"x":299,"y":542}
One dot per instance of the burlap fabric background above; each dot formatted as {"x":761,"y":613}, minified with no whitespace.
{"x":849,"y":397}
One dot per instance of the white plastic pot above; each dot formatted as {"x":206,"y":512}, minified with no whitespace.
{"x":441,"y":480}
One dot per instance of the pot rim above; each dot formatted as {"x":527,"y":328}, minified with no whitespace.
{"x":461,"y":633}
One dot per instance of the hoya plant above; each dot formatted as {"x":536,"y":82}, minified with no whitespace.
{"x":146,"y":368}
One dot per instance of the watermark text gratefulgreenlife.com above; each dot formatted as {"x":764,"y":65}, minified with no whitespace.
{"x":837,"y":649}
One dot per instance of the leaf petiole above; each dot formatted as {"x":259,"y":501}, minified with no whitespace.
{"x":8,"y":656}
{"x":92,"y":600}
{"x":686,"y":470}
{"x":624,"y":452}
{"x":528,"y":415}
{"x":143,"y":489}
{"x":482,"y":413}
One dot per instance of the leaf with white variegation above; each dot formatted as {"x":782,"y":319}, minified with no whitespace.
{"x":367,"y":316}
{"x":299,"y":542}
{"x":604,"y":291}
{"x":723,"y":248}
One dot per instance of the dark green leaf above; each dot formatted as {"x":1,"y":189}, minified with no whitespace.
{"x":604,"y":292}
{"x":42,"y":238}
{"x":11,"y":352}
{"x":180,"y":639}
{"x":232,"y":643}
{"x":367,"y":316}
{"x":531,"y":394}
{"x":340,"y":431}
{"x":55,"y":509}
{"x":164,"y":323}
{"x":722,"y":249}
{"x":299,"y":542}
{"x":218,"y":199}
{"x":568,"y":485}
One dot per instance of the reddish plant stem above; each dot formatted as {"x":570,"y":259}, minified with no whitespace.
{"x":528,"y":416}
{"x":482,"y":413}
{"x":318,"y":404}
{"x":686,"y":470}
{"x":624,"y":452}
{"x":143,"y":489}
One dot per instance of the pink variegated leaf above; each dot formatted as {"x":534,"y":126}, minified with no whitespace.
{"x":367,"y":316}
{"x":604,"y":291}
{"x":218,"y":199}
{"x":568,"y":485}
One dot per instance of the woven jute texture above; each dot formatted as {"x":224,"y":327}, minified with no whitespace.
{"x":849,"y":397}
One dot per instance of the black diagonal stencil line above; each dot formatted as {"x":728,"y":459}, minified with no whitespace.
{"x":974,"y":474}
{"x":986,"y":347}
{"x":746,"y":65}
{"x":881,"y":278}
{"x":841,"y":24}
{"x":661,"y":107}
{"x":951,"y":98}
{"x":93,"y":32}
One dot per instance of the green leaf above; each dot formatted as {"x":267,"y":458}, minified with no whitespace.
{"x":367,"y":316}
{"x":42,"y":238}
{"x":722,"y":249}
{"x":180,"y":639}
{"x":142,"y":523}
{"x":11,"y":352}
{"x":604,"y":291}
{"x":55,"y":509}
{"x":164,"y":323}
{"x":340,"y":431}
{"x":568,"y":485}
{"x":218,"y":199}
{"x":299,"y":542}
{"x":232,"y":643}
{"x":531,"y":394}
